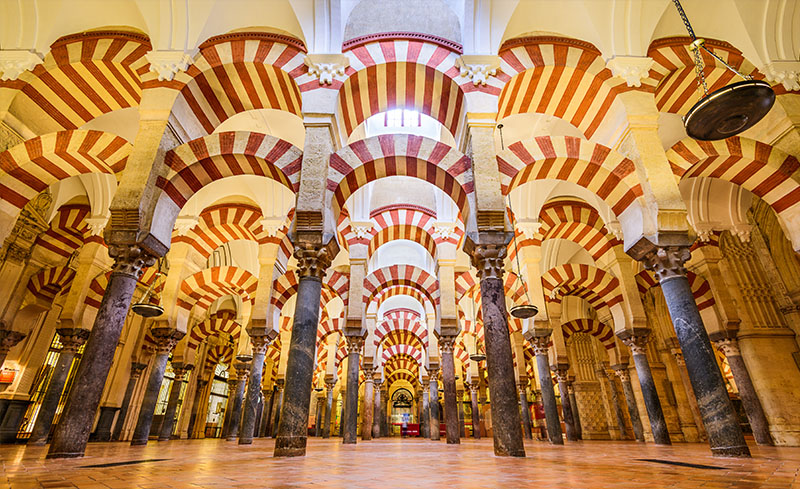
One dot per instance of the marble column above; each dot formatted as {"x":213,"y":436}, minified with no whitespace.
{"x":166,"y":338}
{"x":369,"y":401}
{"x":320,"y":416}
{"x":573,"y":404}
{"x":687,"y":387}
{"x":266,"y":418}
{"x":180,"y":370}
{"x":260,"y":343}
{"x":722,"y":425}
{"x":476,"y":412}
{"x":385,"y":412}
{"x":426,"y":409}
{"x":433,"y":403}
{"x":566,"y":406}
{"x":618,"y":413}
{"x":242,"y":367}
{"x":350,"y":422}
{"x":526,"y":411}
{"x":461,"y":428}
{"x":487,"y":258}
{"x":313,"y":261}
{"x":637,"y":342}
{"x":8,"y":340}
{"x":326,"y":431}
{"x":747,"y":393}
{"x":136,"y":372}
{"x":540,"y":348}
{"x":75,"y":425}
{"x":71,"y":340}
{"x":233,"y":383}
{"x":276,"y":406}
{"x":200,"y":398}
{"x":452,"y":431}
{"x":625,"y":379}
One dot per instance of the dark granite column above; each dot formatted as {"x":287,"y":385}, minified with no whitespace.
{"x":576,"y":417}
{"x":277,"y":405}
{"x":637,"y":342}
{"x":72,"y":432}
{"x":540,"y":346}
{"x":71,"y":340}
{"x":687,"y":387}
{"x":425,"y":423}
{"x":8,"y":340}
{"x":260,"y":343}
{"x":724,"y":432}
{"x":602,"y":376}
{"x":747,"y":393}
{"x":166,"y":338}
{"x":266,"y":418}
{"x":350,"y":421}
{"x":200,"y":397}
{"x":242,"y":367}
{"x":433,"y":403}
{"x":462,"y":430}
{"x":233,"y":383}
{"x":180,"y":370}
{"x":326,"y":431}
{"x":526,"y":411}
{"x":385,"y":426}
{"x":320,"y":415}
{"x":105,"y":420}
{"x":630,"y":400}
{"x":313,"y":261}
{"x":476,"y":412}
{"x":566,"y":405}
{"x":136,"y":372}
{"x":487,"y":258}
{"x":369,"y":402}
{"x":452,"y":431}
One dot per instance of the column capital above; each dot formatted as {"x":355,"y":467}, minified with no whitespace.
{"x":541,"y":344}
{"x":330,"y":385}
{"x":562,"y":373}
{"x":242,"y":370}
{"x":180,"y":369}
{"x":729,"y":346}
{"x":137,"y":369}
{"x":447,"y":343}
{"x":665,"y":262}
{"x":260,"y":343}
{"x":621,"y":371}
{"x":130,"y":259}
{"x":166,"y":338}
{"x":473,"y":387}
{"x":487,"y":258}
{"x":9,"y":339}
{"x":72,"y":338}
{"x":433,"y":373}
{"x":313,"y":259}
{"x":636,"y":340}
{"x":354,"y":344}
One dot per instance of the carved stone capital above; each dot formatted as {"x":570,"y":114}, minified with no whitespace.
{"x":181,"y":369}
{"x":326,"y":66}
{"x":488,"y":260}
{"x":636,"y":341}
{"x":330,"y":386}
{"x":242,"y":370}
{"x":137,"y":369}
{"x":312,"y":260}
{"x":562,"y":373}
{"x":447,"y":343}
{"x":667,"y":262}
{"x":72,"y":339}
{"x":167,"y":64}
{"x":728,"y":346}
{"x":622,"y":372}
{"x":354,"y":344}
{"x":14,"y":62}
{"x":679,"y":358}
{"x":260,"y":343}
{"x":433,"y":373}
{"x":9,"y":339}
{"x":632,"y":69}
{"x":473,"y":387}
{"x":787,"y":73}
{"x":478,"y":68}
{"x":130,"y":260}
{"x":541,"y":344}
{"x":166,"y":338}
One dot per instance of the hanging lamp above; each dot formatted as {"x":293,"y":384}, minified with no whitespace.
{"x":528,"y":310}
{"x":151,"y":308}
{"x":727,"y":111}
{"x":477,"y":356}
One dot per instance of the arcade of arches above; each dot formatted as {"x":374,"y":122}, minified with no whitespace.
{"x":327,"y":208}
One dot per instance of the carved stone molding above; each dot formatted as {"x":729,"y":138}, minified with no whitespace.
{"x":167,"y":64}
{"x":15,"y":62}
{"x":184,"y":224}
{"x":361,"y":229}
{"x":787,"y":73}
{"x":326,"y":66}
{"x":478,"y":68}
{"x":9,"y":339}
{"x":130,"y":259}
{"x":72,"y":338}
{"x":632,"y":69}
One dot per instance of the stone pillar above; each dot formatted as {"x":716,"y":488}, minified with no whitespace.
{"x":8,"y":340}
{"x":526,"y":411}
{"x":105,"y":419}
{"x":752,"y":405}
{"x":200,"y":398}
{"x":71,"y":340}
{"x":433,"y":403}
{"x":540,"y":347}
{"x":386,"y":412}
{"x":136,"y":372}
{"x":687,"y":387}
{"x":326,"y":431}
{"x":630,"y":400}
{"x":376,"y":409}
{"x":233,"y":383}
{"x":277,"y":405}
{"x":313,"y":261}
{"x":166,"y":338}
{"x":350,"y":421}
{"x":318,"y":419}
{"x":573,"y":404}
{"x":724,"y":433}
{"x":266,"y":418}
{"x":487,"y":258}
{"x":476,"y":412}
{"x":242,"y":371}
{"x":566,"y":406}
{"x":369,"y":401}
{"x":446,"y":344}
{"x":72,"y":432}
{"x":618,"y":413}
{"x":260,"y":343}
{"x":462,"y":430}
{"x":180,"y":370}
{"x":425,"y":422}
{"x":637,"y":342}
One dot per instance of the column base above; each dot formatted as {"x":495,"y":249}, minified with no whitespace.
{"x":738,"y":452}
{"x":499,"y":452}
{"x":138,"y":443}
{"x":290,"y":447}
{"x":65,"y":455}
{"x":245,"y":441}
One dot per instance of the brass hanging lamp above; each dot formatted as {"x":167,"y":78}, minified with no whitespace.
{"x":527,"y":310}
{"x":146,"y":307}
{"x":729,"y":110}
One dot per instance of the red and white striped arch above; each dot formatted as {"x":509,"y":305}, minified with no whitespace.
{"x":760,"y":168}
{"x":408,"y":275}
{"x":402,"y":320}
{"x":674,"y":71}
{"x":599,"y":169}
{"x":402,"y":337}
{"x":401,"y":361}
{"x":407,"y":290}
{"x":204,"y":287}
{"x":598,"y":287}
{"x":701,"y":288}
{"x":219,"y":354}
{"x":30,"y":167}
{"x":48,"y":283}
{"x":598,"y":329}
{"x":285,"y":286}
{"x":403,"y":350}
{"x":83,"y":76}
{"x":197,"y":163}
{"x":402,"y":376}
{"x":237,"y":72}
{"x":386,"y":155}
{"x":566,"y":78}
{"x":67,"y":231}
{"x":223,"y":322}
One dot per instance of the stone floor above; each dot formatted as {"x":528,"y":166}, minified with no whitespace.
{"x":390,"y":463}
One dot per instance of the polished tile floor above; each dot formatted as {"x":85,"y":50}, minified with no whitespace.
{"x":396,"y":463}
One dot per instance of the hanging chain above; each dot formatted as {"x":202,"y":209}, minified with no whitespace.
{"x":699,"y":66}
